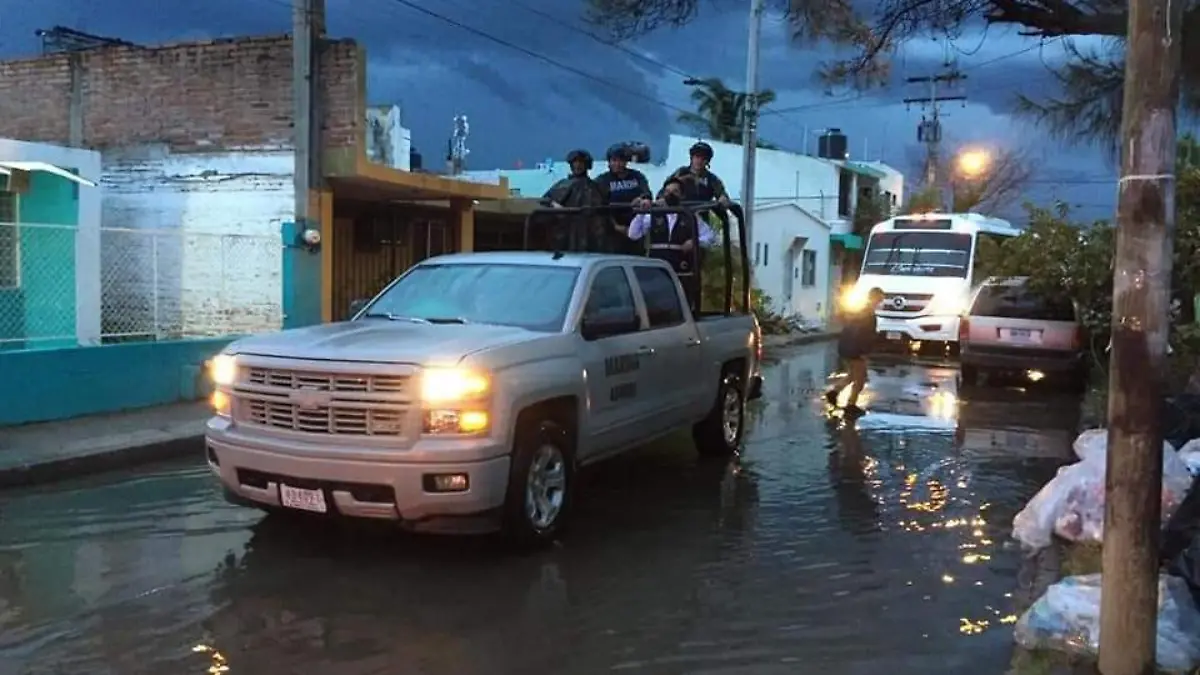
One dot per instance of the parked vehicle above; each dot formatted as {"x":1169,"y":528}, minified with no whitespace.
{"x":1010,"y":330}
{"x":924,"y":264}
{"x":467,"y":394}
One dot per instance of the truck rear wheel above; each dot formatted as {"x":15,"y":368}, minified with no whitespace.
{"x":541,"y":483}
{"x":720,"y":433}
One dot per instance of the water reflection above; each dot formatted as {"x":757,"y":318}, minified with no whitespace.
{"x":853,"y":477}
{"x":838,"y":545}
{"x":1013,"y":421}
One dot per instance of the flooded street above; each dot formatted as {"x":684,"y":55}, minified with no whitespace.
{"x":827,"y":548}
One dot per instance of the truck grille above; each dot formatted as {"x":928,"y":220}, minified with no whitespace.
{"x":334,"y":382}
{"x":325,"y":420}
{"x":322,"y":403}
{"x":904,"y":303}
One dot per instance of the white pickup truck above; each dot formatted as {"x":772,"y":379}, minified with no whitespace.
{"x":467,"y":394}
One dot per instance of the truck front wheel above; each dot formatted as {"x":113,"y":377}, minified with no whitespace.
{"x":720,"y":433}
{"x":541,"y":483}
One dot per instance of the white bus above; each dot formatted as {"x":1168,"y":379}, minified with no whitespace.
{"x":925,"y":265}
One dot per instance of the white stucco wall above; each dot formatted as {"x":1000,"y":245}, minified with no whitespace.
{"x":87,"y":163}
{"x":197,"y":237}
{"x":782,"y":232}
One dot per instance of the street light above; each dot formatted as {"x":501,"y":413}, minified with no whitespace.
{"x":973,"y":163}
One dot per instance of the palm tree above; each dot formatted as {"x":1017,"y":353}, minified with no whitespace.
{"x":721,"y":111}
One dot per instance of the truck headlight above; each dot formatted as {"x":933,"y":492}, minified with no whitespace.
{"x":853,"y":299}
{"x":220,"y":403}
{"x":452,"y":385}
{"x":455,"y":422}
{"x":222,"y":369}
{"x":947,"y":303}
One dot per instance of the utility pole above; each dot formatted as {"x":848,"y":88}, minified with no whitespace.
{"x":1141,"y":298}
{"x":750,"y":127}
{"x":308,"y":30}
{"x":929,"y":131}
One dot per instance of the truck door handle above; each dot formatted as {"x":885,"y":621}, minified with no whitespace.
{"x":645,"y":351}
{"x":693,"y":342}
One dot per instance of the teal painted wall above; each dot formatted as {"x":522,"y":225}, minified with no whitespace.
{"x":53,"y":384}
{"x":301,"y":280}
{"x":48,"y":258}
{"x":12,"y":300}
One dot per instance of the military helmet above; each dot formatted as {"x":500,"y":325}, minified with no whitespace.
{"x":619,"y":151}
{"x":703,"y":149}
{"x":581,"y":155}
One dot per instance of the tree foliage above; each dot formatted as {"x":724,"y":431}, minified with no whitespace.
{"x":872,"y":32}
{"x":923,"y":201}
{"x":721,"y":112}
{"x":869,"y":212}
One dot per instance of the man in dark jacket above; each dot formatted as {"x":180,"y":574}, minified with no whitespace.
{"x":675,"y":240}
{"x":706,"y":186}
{"x":578,"y":190}
{"x":854,"y":343}
{"x":622,"y":185}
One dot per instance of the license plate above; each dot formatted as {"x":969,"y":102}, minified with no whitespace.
{"x":1024,"y":335}
{"x":893,"y":335}
{"x":305,"y":500}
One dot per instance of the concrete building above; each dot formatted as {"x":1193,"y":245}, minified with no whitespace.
{"x":196,"y":238}
{"x":804,"y":213}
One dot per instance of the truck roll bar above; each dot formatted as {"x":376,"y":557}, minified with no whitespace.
{"x":690,"y":210}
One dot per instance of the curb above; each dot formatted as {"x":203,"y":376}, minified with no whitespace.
{"x":101,"y":460}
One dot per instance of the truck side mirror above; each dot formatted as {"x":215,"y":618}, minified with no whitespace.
{"x":607,"y":323}
{"x":357,"y":306}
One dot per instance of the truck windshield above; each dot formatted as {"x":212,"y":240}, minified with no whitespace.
{"x":920,"y":254}
{"x":526,"y":296}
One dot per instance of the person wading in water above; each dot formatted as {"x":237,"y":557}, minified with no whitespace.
{"x":854,"y":342}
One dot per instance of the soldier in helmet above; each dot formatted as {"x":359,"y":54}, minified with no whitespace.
{"x":706,"y":186}
{"x":578,"y":190}
{"x":622,"y":185}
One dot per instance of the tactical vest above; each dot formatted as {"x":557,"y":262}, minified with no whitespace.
{"x":697,"y":188}
{"x":621,"y":190}
{"x":667,"y":244}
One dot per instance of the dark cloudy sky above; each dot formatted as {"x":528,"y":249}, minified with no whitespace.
{"x":578,"y":91}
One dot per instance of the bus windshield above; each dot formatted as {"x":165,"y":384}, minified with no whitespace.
{"x":920,"y":254}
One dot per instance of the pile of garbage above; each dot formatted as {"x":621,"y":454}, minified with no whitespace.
{"x":1071,"y":506}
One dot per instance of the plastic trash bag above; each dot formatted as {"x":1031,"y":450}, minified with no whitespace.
{"x":1189,"y":454}
{"x":1186,"y":566}
{"x":1071,"y":505}
{"x":1067,"y":619}
{"x":1094,"y":442}
{"x":1091,"y":443}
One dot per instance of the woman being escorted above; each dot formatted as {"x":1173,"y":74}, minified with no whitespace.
{"x":854,"y":343}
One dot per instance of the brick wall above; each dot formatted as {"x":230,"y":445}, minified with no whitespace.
{"x":201,"y":96}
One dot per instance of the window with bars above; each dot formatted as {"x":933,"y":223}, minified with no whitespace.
{"x":10,"y":276}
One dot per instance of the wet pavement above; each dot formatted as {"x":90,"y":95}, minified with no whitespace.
{"x":830,"y":547}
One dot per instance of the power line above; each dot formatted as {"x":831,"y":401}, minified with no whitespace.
{"x":535,"y":55}
{"x":854,"y":98}
{"x":607,"y":43}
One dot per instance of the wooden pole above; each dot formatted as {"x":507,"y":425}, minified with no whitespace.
{"x":1141,"y":297}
